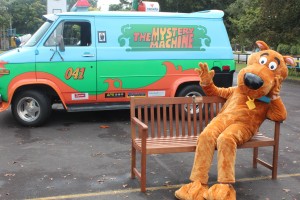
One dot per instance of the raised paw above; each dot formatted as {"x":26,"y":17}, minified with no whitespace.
{"x":205,"y":74}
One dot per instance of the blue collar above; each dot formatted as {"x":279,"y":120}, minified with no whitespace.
{"x":265,"y":99}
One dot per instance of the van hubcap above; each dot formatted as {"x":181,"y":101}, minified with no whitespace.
{"x":192,"y":94}
{"x":28,"y":109}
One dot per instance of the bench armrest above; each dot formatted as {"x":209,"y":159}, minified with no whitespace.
{"x":276,"y":130}
{"x":274,"y":120}
{"x":142,"y":128}
{"x":139,"y":123}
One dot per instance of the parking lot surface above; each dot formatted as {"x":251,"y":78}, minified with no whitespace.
{"x":87,"y":156}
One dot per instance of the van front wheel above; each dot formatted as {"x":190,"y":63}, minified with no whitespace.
{"x":31,"y":108}
{"x":190,"y":91}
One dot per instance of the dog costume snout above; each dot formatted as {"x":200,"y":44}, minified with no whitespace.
{"x":253,"y":81}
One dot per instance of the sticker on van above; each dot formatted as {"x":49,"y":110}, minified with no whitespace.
{"x":147,"y":37}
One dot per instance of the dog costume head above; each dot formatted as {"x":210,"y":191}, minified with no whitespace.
{"x":258,"y":78}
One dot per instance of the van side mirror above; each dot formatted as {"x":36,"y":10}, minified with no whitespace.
{"x":61,"y":44}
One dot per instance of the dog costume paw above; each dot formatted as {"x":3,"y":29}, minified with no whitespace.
{"x":191,"y":191}
{"x":220,"y":192}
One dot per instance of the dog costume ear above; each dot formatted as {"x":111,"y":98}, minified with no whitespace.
{"x":289,"y":60}
{"x":262,"y":45}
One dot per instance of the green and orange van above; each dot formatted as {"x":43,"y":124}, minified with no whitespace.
{"x":90,"y":61}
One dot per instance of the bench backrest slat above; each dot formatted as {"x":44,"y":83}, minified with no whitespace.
{"x":146,"y":114}
{"x":200,"y":105}
{"x":158,"y":121}
{"x":182,"y":119}
{"x":177,"y":119}
{"x":171,"y":121}
{"x":152,"y":121}
{"x":165,"y":120}
{"x":177,"y":116}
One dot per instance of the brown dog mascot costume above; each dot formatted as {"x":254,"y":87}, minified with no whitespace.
{"x":255,"y":98}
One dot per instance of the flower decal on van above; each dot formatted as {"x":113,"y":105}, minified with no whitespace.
{"x":125,"y":37}
{"x":204,"y":39}
{"x":144,"y":37}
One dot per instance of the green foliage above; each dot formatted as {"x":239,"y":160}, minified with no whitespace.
{"x":284,"y":49}
{"x":27,"y":15}
{"x":188,"y":6}
{"x":115,"y":7}
{"x":274,"y":21}
{"x":244,"y":17}
{"x":122,"y":6}
{"x":294,"y":73}
{"x":282,"y":19}
{"x":5,"y":14}
{"x":295,"y":50}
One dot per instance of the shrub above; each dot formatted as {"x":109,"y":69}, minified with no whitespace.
{"x":283,"y":49}
{"x":298,"y":49}
{"x":294,"y":50}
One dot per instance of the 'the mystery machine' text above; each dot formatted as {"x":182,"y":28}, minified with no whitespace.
{"x":167,"y":37}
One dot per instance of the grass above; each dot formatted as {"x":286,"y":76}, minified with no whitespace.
{"x":240,"y":66}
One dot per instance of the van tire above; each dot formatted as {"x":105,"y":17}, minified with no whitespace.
{"x":31,"y":108}
{"x":189,"y":91}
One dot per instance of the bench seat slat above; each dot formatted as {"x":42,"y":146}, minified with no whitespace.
{"x":258,"y":140}
{"x":161,"y":145}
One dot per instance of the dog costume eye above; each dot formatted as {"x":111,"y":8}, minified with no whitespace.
{"x":272,"y":65}
{"x":263,"y":60}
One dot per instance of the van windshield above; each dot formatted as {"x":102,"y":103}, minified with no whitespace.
{"x":38,"y":34}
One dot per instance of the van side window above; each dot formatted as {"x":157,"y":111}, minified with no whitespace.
{"x":72,"y":33}
{"x":55,"y":36}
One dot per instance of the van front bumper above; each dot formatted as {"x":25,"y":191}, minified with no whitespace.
{"x":3,"y":105}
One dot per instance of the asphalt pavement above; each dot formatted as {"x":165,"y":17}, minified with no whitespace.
{"x":87,"y":156}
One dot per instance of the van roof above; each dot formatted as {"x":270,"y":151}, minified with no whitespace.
{"x":200,"y":14}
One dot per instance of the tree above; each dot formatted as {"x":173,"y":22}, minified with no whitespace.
{"x":122,"y":6}
{"x":188,"y":6}
{"x":115,"y":7}
{"x":274,"y":21}
{"x":27,"y":15}
{"x":281,"y":22}
{"x":245,"y":21}
{"x":6,"y":16}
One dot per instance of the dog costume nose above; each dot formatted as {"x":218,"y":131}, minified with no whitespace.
{"x":253,"y":81}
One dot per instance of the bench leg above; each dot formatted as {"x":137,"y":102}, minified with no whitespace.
{"x":143,"y":171}
{"x":275,"y":162}
{"x":255,"y":155}
{"x":133,"y":161}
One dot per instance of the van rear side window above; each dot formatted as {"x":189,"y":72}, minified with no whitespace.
{"x":71,"y":33}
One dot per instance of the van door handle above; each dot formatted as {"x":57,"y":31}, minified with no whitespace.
{"x":88,"y":55}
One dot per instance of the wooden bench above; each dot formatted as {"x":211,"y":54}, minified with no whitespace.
{"x":162,"y":125}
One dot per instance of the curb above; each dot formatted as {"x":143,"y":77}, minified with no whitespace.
{"x":292,"y":81}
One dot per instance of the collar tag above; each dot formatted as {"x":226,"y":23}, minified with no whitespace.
{"x":250,"y":103}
